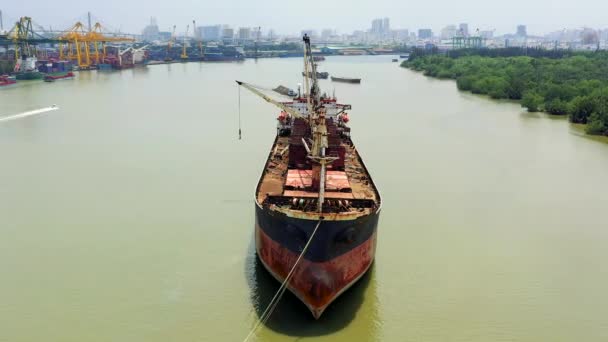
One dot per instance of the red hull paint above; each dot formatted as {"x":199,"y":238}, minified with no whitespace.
{"x":317,"y":284}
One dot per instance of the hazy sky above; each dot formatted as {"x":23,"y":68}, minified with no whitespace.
{"x":286,"y":16}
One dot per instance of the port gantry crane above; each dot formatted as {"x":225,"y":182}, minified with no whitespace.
{"x":198,"y":39}
{"x":168,"y":57}
{"x":315,"y":117}
{"x":82,"y":45}
{"x":184,"y":55}
{"x":24,"y":38}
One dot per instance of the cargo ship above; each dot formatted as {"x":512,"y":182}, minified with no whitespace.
{"x":315,"y":199}
{"x":25,"y":69}
{"x":225,"y":53}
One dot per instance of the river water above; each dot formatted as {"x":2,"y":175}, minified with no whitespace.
{"x":127,"y":214}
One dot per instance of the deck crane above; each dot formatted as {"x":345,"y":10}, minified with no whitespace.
{"x":168,"y":57}
{"x":184,"y":55}
{"x":316,"y":118}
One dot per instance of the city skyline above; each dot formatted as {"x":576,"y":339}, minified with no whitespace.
{"x":503,"y":18}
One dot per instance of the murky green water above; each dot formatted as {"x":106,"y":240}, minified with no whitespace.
{"x":127,"y":215}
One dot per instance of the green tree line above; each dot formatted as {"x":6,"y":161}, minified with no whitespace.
{"x":557,"y":82}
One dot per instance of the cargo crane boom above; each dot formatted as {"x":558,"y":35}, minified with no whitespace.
{"x":316,"y":120}
{"x":169,"y":45}
{"x":184,"y":55}
{"x":198,"y":39}
{"x":270,"y":100}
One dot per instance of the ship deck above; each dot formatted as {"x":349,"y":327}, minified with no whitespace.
{"x":351,"y":185}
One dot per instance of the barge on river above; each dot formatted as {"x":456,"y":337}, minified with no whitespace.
{"x":315,"y":198}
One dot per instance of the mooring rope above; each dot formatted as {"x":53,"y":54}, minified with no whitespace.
{"x":239,"y":91}
{"x":277,"y":296}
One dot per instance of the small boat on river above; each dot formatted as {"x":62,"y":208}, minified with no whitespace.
{"x":6,"y":80}
{"x":346,"y":79}
{"x":59,"y":76}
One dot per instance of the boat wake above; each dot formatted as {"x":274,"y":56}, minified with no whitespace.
{"x":29,"y":113}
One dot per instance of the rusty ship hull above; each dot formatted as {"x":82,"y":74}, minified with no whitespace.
{"x":344,"y":246}
{"x":324,"y":272}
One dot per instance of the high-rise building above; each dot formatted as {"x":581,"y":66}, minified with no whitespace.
{"x":464,"y":29}
{"x":522,"y":31}
{"x":213,"y":33}
{"x":227,"y":33}
{"x":448,"y":32}
{"x":326,"y":34}
{"x":486,"y":34}
{"x":150,"y":32}
{"x":386,"y":26}
{"x":425,"y":34}
{"x":376,"y":26}
{"x":244,"y":33}
{"x":381,"y":27}
{"x":401,"y":35}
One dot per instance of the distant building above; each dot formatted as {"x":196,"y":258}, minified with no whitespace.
{"x":425,"y":34}
{"x":376,"y":26}
{"x":464,"y":29}
{"x":381,"y":27}
{"x":210,"y":33}
{"x":164,"y":36}
{"x":244,"y":33}
{"x":271,"y":34}
{"x":150,"y":32}
{"x":227,"y":33}
{"x":326,"y":34}
{"x":486,"y":34}
{"x":522,"y":31}
{"x":401,"y":35}
{"x":589,"y":36}
{"x":386,"y":26}
{"x":448,"y":32}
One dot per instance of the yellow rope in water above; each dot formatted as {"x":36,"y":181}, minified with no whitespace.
{"x":277,"y":297}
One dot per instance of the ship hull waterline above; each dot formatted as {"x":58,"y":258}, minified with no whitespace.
{"x":323,"y":273}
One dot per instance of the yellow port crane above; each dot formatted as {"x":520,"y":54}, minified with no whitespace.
{"x":168,"y":58}
{"x":79,"y":43}
{"x":184,"y":55}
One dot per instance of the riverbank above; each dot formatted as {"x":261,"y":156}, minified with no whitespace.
{"x":576,"y":86}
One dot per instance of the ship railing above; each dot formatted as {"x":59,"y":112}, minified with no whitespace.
{"x":330,"y":205}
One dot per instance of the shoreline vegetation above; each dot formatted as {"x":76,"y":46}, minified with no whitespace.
{"x":558,"y":82}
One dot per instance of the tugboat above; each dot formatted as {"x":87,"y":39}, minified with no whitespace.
{"x":315,"y":198}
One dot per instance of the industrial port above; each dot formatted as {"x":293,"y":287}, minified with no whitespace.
{"x":28,"y":51}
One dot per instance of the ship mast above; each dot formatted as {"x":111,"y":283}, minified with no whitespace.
{"x":316,"y":116}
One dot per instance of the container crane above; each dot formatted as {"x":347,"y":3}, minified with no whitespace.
{"x":168,"y":58}
{"x":199,"y":41}
{"x":184,"y":55}
{"x":81,"y":42}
